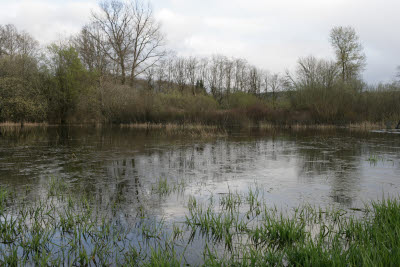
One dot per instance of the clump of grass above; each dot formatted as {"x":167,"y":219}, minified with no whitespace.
{"x":374,"y":159}
{"x":162,"y":187}
{"x":231,"y":201}
{"x":56,"y":186}
{"x":310,"y":236}
{"x":3,"y":197}
{"x":166,"y":257}
{"x":277,"y":232}
{"x":165,"y":187}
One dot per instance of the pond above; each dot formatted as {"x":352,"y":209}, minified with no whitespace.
{"x":155,"y":174}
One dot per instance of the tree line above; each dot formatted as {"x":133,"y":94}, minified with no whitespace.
{"x":117,"y":69}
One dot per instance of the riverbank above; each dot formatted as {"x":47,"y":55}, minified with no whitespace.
{"x":198,"y":126}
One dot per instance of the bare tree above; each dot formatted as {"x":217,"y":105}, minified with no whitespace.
{"x":179,"y":73}
{"x":229,"y":66}
{"x":349,"y":52}
{"x":203,"y":72}
{"x":27,"y":45}
{"x":265,"y":76}
{"x":14,"y":43}
{"x":240,"y":71}
{"x":217,"y":76}
{"x":2,"y":41}
{"x":89,"y":45}
{"x":191,"y":67}
{"x":8,"y":40}
{"x":328,"y":73}
{"x":150,"y":74}
{"x":313,"y":73}
{"x":254,"y":80}
{"x":115,"y":22}
{"x":147,"y":39}
{"x":170,"y":70}
{"x":129,"y":36}
{"x":307,"y":71}
{"x":161,"y":74}
{"x":212,"y":76}
{"x":275,"y":84}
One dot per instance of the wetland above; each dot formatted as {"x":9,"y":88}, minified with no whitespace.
{"x":120,"y":196}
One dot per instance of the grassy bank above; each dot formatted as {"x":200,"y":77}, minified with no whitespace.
{"x":235,"y":230}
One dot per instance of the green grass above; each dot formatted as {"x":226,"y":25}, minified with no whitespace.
{"x":165,"y":187}
{"x":234,"y":229}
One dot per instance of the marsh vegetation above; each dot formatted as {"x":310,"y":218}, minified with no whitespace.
{"x":235,"y":229}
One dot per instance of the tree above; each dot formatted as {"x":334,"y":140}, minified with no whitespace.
{"x":21,"y":98}
{"x":89,"y":45}
{"x":13,"y":42}
{"x":129,"y":36}
{"x":8,"y":40}
{"x":275,"y":83}
{"x":191,"y":69}
{"x":19,"y":101}
{"x":179,"y":73}
{"x":255,"y":81}
{"x":314,"y":73}
{"x":147,"y":39}
{"x":69,"y":78}
{"x":240,"y":66}
{"x":114,"y":22}
{"x":349,"y":52}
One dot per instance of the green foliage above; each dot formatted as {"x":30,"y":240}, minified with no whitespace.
{"x":57,"y":88}
{"x":70,"y":80}
{"x":193,"y":104}
{"x":241,"y":100}
{"x":20,"y":97}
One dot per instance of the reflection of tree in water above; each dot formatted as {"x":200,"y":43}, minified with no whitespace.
{"x":124,"y":174}
{"x":334,"y":161}
{"x":121,"y":165}
{"x":217,"y":161}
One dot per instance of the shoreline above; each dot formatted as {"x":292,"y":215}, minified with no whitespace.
{"x":172,"y":125}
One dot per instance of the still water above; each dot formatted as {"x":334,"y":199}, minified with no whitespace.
{"x":340,"y":168}
{"x":337,"y":168}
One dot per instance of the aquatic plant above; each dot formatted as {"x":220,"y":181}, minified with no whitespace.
{"x":236,"y":229}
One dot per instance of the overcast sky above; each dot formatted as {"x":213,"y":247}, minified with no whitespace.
{"x":269,"y":34}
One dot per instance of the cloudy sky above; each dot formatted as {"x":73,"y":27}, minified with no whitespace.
{"x":269,"y":34}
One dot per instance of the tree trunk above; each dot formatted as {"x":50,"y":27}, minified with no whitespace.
{"x":123,"y":72}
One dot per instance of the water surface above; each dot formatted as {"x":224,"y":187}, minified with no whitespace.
{"x":291,"y":168}
{"x":322,"y":168}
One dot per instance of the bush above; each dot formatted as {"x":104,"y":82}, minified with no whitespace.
{"x":241,"y":100}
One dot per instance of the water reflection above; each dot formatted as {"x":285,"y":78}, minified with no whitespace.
{"x":122,"y":165}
